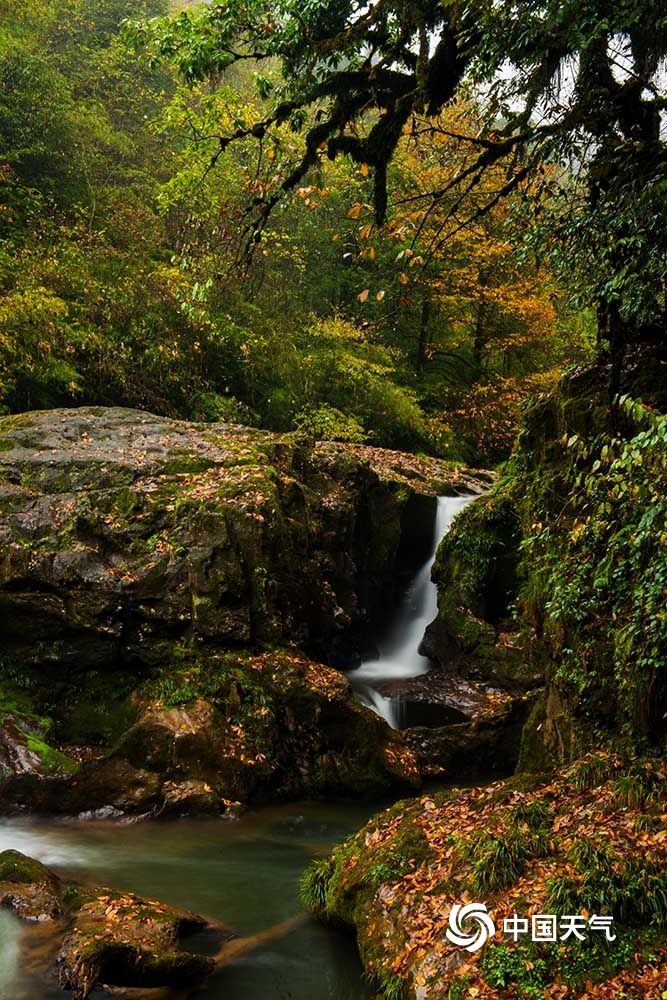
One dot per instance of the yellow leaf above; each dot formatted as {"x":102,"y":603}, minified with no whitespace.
{"x":380,"y":296}
{"x":403,"y":278}
{"x":362,"y":296}
{"x":355,"y":211}
{"x":364,"y":169}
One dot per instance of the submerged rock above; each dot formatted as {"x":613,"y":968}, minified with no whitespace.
{"x":107,"y":938}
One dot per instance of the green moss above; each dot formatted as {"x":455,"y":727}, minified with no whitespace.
{"x":336,"y":887}
{"x":52,"y":760}
{"x":17,"y":867}
{"x":182,"y":461}
{"x":14,"y":422}
{"x":477,"y":560}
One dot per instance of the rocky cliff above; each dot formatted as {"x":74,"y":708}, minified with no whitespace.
{"x":146,"y":563}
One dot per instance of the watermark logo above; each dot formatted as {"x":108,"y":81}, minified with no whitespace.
{"x":475,"y":913}
{"x":541,"y":927}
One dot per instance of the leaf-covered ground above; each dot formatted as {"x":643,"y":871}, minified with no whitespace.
{"x":591,"y":842}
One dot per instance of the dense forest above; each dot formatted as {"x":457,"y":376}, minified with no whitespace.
{"x":333,"y":474}
{"x":127,"y":277}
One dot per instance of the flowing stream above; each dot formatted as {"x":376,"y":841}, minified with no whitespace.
{"x":244,"y":873}
{"x":399,"y":656}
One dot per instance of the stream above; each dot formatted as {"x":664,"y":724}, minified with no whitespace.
{"x":398,"y":648}
{"x":244,"y":873}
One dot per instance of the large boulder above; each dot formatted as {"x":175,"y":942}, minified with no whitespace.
{"x":118,"y":527}
{"x":591,"y":842}
{"x":135,"y":550}
{"x":220,"y":730}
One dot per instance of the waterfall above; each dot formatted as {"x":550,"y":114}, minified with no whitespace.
{"x":398,"y":648}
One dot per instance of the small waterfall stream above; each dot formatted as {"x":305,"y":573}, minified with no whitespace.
{"x":399,"y":646}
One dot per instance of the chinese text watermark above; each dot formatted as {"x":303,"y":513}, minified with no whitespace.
{"x":471,"y":926}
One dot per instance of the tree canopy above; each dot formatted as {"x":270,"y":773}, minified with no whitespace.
{"x":578,"y":84}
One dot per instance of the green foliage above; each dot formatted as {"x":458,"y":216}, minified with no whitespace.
{"x":391,"y":987}
{"x":531,"y":969}
{"x":593,"y":771}
{"x":602,"y":570}
{"x":326,"y":423}
{"x":313,"y":886}
{"x":535,"y":813}
{"x":498,"y":860}
{"x":640,"y":787}
{"x":119,"y":265}
{"x":458,"y":989}
{"x":634,"y":890}
{"x":504,"y":966}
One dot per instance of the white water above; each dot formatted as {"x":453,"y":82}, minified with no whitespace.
{"x":399,"y":657}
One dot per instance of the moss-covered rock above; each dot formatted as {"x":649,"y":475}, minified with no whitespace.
{"x":477,"y":574}
{"x":119,"y":527}
{"x":217,"y":730}
{"x":592,"y":841}
{"x":133,"y":549}
{"x":25,"y":747}
{"x":107,"y":937}
{"x":29,"y":887}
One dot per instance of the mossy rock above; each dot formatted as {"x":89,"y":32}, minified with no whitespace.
{"x":581,"y":842}
{"x":109,"y":938}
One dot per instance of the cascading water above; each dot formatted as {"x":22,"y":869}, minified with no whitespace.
{"x":399,"y":647}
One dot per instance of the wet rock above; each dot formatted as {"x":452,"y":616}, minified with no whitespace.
{"x":458,"y":727}
{"x":16,"y":757}
{"x":117,"y":526}
{"x":186,"y":798}
{"x":486,"y":745}
{"x":30,"y":889}
{"x":109,"y":783}
{"x":108,"y":938}
{"x":26,"y":760}
{"x":476,"y":574}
